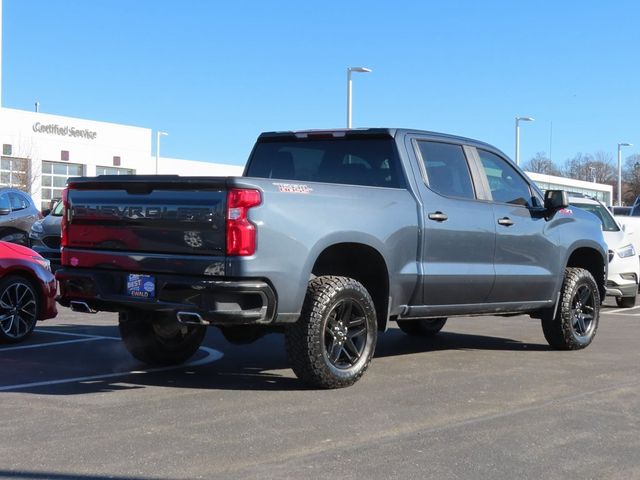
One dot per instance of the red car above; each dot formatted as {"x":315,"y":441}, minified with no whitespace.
{"x":27,"y":291}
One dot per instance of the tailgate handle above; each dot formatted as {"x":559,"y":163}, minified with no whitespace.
{"x":438,"y":216}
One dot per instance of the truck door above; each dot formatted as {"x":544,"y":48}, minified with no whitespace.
{"x":525,"y":265}
{"x":458,"y":240}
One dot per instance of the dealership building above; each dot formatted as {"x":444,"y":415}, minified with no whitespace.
{"x":40,"y":151}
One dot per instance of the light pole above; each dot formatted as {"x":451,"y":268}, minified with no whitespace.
{"x":518,"y":120}
{"x":158,"y":135}
{"x":349,"y":70}
{"x":620,"y":145}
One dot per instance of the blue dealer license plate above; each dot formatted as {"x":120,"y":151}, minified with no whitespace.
{"x":141,"y":286}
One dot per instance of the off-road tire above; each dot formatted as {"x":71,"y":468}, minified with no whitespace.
{"x":425,"y":327}
{"x":576,"y":321}
{"x":626,"y":302}
{"x":157,"y":339}
{"x":335,"y":310}
{"x":19,"y":309}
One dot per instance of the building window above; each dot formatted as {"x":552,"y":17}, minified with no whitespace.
{"x":14,"y":172}
{"x":114,"y":171}
{"x":54,"y":179}
{"x":116,"y":161}
{"x":64,"y":155}
{"x":6,"y":149}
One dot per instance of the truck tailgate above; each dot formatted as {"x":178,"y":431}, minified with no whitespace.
{"x":145,"y":214}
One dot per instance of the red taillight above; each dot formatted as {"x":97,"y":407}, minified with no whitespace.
{"x":241,"y":233}
{"x":64,"y":233}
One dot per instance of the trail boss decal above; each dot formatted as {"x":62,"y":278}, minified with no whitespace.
{"x":293,"y":188}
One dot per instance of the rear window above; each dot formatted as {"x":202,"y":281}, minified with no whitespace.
{"x":371,"y":162}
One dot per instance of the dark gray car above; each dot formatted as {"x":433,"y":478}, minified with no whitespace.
{"x":44,"y":237}
{"x":17,"y":214}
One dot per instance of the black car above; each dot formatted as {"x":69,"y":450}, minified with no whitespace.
{"x":44,"y":237}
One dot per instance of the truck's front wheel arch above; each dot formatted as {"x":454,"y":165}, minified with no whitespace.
{"x":362,"y":263}
{"x":590,"y":260}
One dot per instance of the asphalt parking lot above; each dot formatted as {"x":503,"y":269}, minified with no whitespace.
{"x":485,"y":399}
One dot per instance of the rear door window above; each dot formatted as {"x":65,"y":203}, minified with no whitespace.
{"x":447,"y":169}
{"x":18,"y":202}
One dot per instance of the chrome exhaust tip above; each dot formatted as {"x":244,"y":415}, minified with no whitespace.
{"x":191,"y":318}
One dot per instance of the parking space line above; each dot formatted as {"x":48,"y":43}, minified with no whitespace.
{"x":212,"y":356}
{"x":618,"y":312}
{"x":38,"y":345}
{"x":71,"y":334}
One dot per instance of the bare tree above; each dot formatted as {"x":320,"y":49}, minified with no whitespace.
{"x":591,"y":168}
{"x":541,"y":164}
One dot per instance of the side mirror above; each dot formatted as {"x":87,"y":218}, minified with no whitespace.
{"x":555,"y":200}
{"x":46,"y":212}
{"x":5,"y":211}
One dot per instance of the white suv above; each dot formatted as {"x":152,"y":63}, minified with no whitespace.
{"x":624,"y":264}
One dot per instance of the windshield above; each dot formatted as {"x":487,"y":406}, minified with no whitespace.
{"x":57,"y":210}
{"x":600,"y":211}
{"x":371,"y":161}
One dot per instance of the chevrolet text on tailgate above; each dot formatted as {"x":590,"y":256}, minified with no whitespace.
{"x":328,"y":237}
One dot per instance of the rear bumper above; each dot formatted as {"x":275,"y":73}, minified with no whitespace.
{"x":215,"y":301}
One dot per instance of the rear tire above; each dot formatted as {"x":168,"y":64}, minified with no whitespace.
{"x":626,"y":302}
{"x":332,"y":343}
{"x":158,"y":339}
{"x":425,"y":327}
{"x":576,"y":321}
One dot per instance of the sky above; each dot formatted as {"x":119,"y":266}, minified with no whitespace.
{"x":215,"y":74}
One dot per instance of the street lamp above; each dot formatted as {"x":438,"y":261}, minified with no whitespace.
{"x":349,"y":70}
{"x":518,"y":120}
{"x":620,"y":145}
{"x":158,"y":135}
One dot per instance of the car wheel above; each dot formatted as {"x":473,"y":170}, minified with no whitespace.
{"x":158,"y":339}
{"x":626,"y":302}
{"x":332,"y":343}
{"x":576,"y":321}
{"x":426,"y":327}
{"x":19,"y":307}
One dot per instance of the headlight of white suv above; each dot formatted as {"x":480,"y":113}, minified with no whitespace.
{"x":626,"y":251}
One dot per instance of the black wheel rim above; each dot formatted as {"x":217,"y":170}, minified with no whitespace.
{"x":345,"y":334}
{"x":18,"y":310}
{"x":583,"y":311}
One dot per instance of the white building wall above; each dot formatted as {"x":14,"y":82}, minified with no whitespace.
{"x":601,"y":191}
{"x":42,"y":137}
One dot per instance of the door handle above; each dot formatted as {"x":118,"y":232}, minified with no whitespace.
{"x":506,"y":221}
{"x":438,"y":216}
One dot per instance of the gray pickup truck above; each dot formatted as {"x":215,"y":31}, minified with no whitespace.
{"x":327,"y":237}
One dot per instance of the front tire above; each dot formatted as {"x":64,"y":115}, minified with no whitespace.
{"x":333,"y":341}
{"x":576,"y":321}
{"x":425,"y":327}
{"x":19,"y":307}
{"x":158,"y":339}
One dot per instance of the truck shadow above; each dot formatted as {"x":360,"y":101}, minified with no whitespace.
{"x":260,"y":366}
